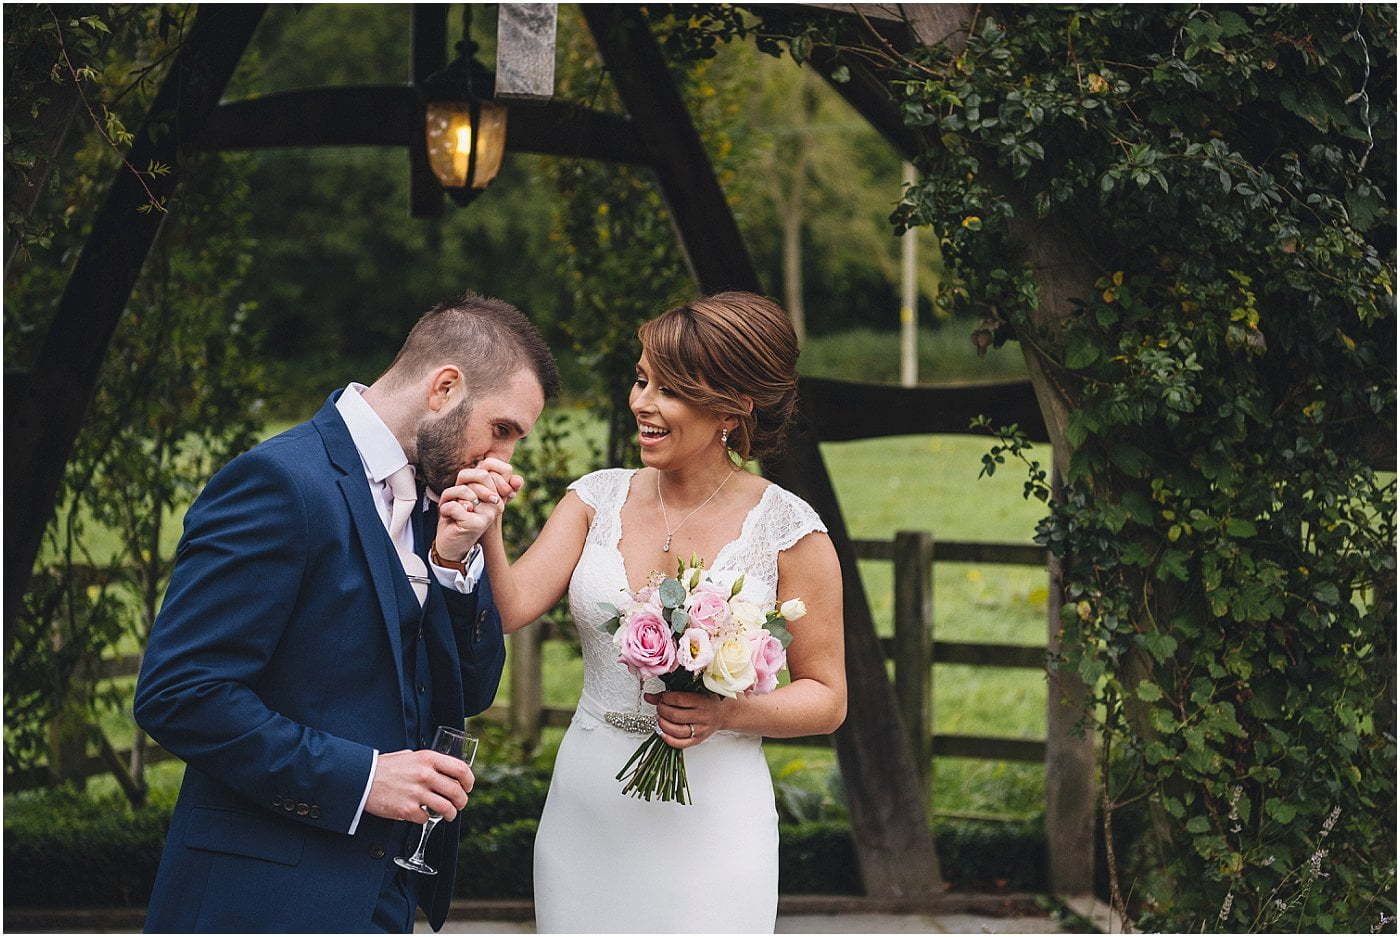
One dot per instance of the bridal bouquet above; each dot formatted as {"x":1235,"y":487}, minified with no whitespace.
{"x":695,"y":633}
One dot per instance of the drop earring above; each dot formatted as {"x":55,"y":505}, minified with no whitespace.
{"x":724,"y":438}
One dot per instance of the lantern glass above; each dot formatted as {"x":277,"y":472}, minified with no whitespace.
{"x":451,"y":136}
{"x":490,"y":143}
{"x":450,"y":141}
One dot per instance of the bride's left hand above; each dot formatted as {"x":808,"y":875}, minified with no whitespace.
{"x":687,"y":719}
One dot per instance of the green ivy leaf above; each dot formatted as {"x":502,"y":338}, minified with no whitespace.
{"x":1198,"y":824}
{"x":1080,"y":352}
{"x":1159,"y":644}
{"x":1239,"y":527}
{"x":1280,"y":811}
{"x":1148,"y":692}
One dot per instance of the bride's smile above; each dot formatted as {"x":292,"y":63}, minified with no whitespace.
{"x":674,"y":434}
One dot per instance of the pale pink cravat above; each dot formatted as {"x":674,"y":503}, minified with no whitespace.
{"x":405,"y":500}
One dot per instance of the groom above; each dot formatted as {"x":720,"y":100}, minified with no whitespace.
{"x":323,"y":616}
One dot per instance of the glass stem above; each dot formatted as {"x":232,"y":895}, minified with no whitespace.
{"x":423,"y":839}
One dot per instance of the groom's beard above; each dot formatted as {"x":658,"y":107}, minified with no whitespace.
{"x":440,"y":445}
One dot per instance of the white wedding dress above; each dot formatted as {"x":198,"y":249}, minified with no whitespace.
{"x":609,"y":862}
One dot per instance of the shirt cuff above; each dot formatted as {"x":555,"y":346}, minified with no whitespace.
{"x":461,"y":582}
{"x":364,"y":798}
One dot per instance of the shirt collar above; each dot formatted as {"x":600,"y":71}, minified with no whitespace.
{"x":379,"y":450}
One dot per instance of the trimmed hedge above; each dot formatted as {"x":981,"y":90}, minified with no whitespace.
{"x":71,"y":850}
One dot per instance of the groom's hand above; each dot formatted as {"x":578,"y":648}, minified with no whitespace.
{"x":470,"y":507}
{"x":405,"y":782}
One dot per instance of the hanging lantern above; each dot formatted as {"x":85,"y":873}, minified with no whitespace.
{"x":466,"y":142}
{"x":465,"y":130}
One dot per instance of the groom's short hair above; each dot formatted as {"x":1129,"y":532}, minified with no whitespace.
{"x":489,"y":339}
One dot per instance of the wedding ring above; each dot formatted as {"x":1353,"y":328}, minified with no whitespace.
{"x":692,"y":730}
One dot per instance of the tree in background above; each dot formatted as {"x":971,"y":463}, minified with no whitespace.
{"x":814,"y":176}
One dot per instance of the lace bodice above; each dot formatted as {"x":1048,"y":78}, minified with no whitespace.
{"x":778,"y":521}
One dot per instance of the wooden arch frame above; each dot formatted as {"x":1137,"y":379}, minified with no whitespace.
{"x":48,"y":404}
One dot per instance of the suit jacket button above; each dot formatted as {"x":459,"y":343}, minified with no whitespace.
{"x":303,"y":809}
{"x":277,"y":801}
{"x":480,"y":620}
{"x":376,"y":851}
{"x":288,"y":806}
{"x":315,"y":812}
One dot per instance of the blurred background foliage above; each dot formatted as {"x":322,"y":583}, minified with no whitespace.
{"x":339,"y":271}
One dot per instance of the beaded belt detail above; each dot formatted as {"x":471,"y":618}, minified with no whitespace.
{"x":635,"y":723}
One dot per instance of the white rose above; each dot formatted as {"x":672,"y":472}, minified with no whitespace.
{"x":731,"y":672}
{"x":793,"y":609}
{"x":746,"y":613}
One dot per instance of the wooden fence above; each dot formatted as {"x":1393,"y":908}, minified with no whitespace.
{"x":914,"y":648}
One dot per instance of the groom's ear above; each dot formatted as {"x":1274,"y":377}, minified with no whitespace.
{"x":444,"y":387}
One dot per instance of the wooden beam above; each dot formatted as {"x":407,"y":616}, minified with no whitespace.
{"x":429,"y":52}
{"x":390,"y":115}
{"x":525,"y":51}
{"x":889,"y":822}
{"x":40,"y":426}
{"x":844,"y":410}
{"x":708,"y":233}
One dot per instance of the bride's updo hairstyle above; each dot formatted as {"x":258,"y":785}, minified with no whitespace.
{"x":732,"y":354}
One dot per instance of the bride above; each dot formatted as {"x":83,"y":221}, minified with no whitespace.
{"x":715,"y":387}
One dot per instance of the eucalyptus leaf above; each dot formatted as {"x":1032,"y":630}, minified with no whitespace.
{"x":672,"y":593}
{"x":679,"y":620}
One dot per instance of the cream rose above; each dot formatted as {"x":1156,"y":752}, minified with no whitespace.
{"x":745,"y":613}
{"x":793,"y":609}
{"x":731,"y":672}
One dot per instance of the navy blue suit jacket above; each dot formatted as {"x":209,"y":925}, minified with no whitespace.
{"x":274,"y":670}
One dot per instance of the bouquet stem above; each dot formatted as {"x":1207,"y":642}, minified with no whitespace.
{"x":657,"y":770}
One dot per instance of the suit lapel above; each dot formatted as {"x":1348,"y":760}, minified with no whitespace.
{"x":368,"y":525}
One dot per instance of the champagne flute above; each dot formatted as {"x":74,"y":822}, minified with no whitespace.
{"x":457,"y":744}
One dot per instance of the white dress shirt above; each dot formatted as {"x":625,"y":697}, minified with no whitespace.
{"x":383,"y":456}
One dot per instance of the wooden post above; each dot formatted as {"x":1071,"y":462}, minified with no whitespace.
{"x":913,"y":642}
{"x":1069,"y":760}
{"x":909,"y":297}
{"x":527,"y":684}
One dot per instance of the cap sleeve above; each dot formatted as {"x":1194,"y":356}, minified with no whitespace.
{"x":792,"y":519}
{"x":604,"y":491}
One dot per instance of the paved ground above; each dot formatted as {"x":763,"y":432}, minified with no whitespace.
{"x":827,"y":924}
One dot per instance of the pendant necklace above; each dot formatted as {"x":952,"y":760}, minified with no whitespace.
{"x":671,"y":531}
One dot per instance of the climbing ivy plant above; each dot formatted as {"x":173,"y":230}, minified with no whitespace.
{"x":1223,"y":180}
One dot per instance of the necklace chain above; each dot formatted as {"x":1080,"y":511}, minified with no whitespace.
{"x":666,"y":522}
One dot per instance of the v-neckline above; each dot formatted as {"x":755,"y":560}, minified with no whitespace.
{"x":714,"y":564}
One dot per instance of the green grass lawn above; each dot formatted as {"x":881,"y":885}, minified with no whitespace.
{"x":904,"y":483}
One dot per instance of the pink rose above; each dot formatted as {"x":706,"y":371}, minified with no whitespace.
{"x":696,"y":650}
{"x":709,"y":608}
{"x":644,"y":644}
{"x":768,"y":658}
